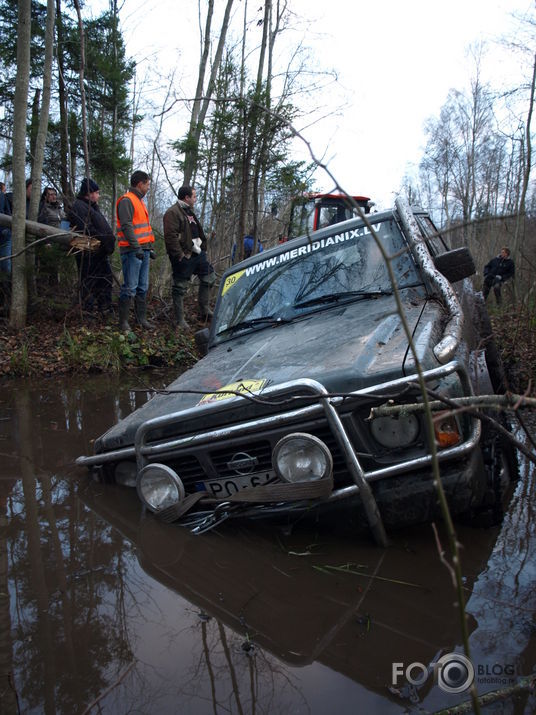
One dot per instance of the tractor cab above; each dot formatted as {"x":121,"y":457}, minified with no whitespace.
{"x":313,"y":211}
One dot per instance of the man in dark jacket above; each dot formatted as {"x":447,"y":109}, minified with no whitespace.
{"x":496,"y":272}
{"x":94,"y":270}
{"x":186,"y":248}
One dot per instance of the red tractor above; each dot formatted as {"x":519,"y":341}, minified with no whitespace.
{"x":313,"y":211}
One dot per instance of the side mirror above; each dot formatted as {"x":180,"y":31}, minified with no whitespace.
{"x":201,"y":341}
{"x":455,"y":265}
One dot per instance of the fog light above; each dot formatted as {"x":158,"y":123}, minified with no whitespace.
{"x":159,"y":487}
{"x":395,"y":431}
{"x":301,"y":458}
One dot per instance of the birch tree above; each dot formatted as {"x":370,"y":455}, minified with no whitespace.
{"x":203,"y":97}
{"x":82,"y":88}
{"x":19,"y":298}
{"x":39,"y":152}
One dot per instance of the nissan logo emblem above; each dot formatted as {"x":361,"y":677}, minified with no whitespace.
{"x":242,"y":463}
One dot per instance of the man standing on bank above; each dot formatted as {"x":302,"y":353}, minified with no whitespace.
{"x":136,"y":241}
{"x":496,"y":272}
{"x":186,"y":248}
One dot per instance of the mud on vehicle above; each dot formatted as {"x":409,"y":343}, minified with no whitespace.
{"x":306,"y":338}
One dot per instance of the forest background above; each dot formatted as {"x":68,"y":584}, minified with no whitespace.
{"x":73,"y":104}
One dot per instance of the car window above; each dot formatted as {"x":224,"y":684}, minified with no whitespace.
{"x":332,"y":214}
{"x":434,"y":240}
{"x":350,"y":261}
{"x":302,"y":218}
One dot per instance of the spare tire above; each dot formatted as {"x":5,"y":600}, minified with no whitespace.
{"x":455,"y":265}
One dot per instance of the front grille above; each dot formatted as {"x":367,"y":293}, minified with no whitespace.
{"x":212,"y":461}
{"x":187,"y":467}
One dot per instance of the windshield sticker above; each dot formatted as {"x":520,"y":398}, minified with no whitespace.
{"x":231,"y":280}
{"x":304,"y":250}
{"x":228,"y":391}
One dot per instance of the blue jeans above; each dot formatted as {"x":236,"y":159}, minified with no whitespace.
{"x":5,"y":250}
{"x":135,"y":274}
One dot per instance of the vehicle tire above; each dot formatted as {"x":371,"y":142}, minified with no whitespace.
{"x":455,"y":265}
{"x":500,"y":463}
{"x":495,"y":367}
{"x":493,"y":358}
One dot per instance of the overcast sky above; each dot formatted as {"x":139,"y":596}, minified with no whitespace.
{"x":396,"y":62}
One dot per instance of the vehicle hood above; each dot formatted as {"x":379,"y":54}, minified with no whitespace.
{"x":344,"y":348}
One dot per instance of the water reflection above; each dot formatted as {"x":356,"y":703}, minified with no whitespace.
{"x":103,"y":608}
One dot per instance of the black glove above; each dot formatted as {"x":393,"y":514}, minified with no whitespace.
{"x":139,"y":255}
{"x":152,"y":254}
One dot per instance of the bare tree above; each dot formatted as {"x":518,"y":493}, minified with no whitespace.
{"x":19,"y":297}
{"x":528,"y":161}
{"x":37,"y":163}
{"x":82,"y":88}
{"x":202,"y":99}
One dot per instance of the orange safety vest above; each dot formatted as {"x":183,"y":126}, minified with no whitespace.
{"x":140,"y":221}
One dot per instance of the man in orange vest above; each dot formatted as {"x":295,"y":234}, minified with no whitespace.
{"x":135,"y":242}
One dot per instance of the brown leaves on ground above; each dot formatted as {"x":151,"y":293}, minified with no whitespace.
{"x":515,"y":335}
{"x":93,"y":344}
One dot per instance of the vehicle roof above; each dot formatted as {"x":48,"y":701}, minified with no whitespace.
{"x":315,"y":195}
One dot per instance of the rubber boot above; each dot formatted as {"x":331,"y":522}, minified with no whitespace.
{"x":178,"y":307}
{"x":124,"y":309}
{"x":205,"y":285}
{"x":140,"y":311}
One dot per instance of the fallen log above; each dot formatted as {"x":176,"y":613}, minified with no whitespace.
{"x":69,"y":239}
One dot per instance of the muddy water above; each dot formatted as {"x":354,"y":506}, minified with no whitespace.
{"x":104,"y":610}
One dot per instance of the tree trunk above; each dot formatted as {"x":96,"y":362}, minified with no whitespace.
{"x":253,"y":119}
{"x":42,"y":131}
{"x":201,"y":104}
{"x":54,"y":235}
{"x":67,"y":187}
{"x":528,"y":159}
{"x":34,"y":121}
{"x":19,"y":297}
{"x":115,"y":120}
{"x":82,"y":89}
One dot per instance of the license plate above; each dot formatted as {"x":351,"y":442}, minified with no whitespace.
{"x":222,"y":488}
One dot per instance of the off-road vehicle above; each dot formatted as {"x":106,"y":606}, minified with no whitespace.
{"x":306,"y":339}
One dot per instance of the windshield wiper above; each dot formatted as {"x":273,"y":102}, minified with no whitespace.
{"x":347,"y":295}
{"x":251,"y":323}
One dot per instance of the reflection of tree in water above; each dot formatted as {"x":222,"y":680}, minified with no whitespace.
{"x":504,"y":598}
{"x":237,"y":675}
{"x":64,"y":570}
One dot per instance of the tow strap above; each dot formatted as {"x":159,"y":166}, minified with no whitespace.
{"x":266,"y":493}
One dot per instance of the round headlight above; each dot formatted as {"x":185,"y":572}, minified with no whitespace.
{"x":301,"y":458}
{"x":159,"y":487}
{"x":399,"y":431}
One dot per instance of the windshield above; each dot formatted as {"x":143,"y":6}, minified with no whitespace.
{"x":342,"y":267}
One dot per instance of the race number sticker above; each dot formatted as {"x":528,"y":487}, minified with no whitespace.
{"x":228,"y":391}
{"x":231,"y":280}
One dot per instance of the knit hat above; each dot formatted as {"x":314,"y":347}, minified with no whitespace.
{"x":88,"y":186}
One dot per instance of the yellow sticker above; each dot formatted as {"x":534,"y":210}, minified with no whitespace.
{"x":231,"y":280}
{"x":228,"y":391}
